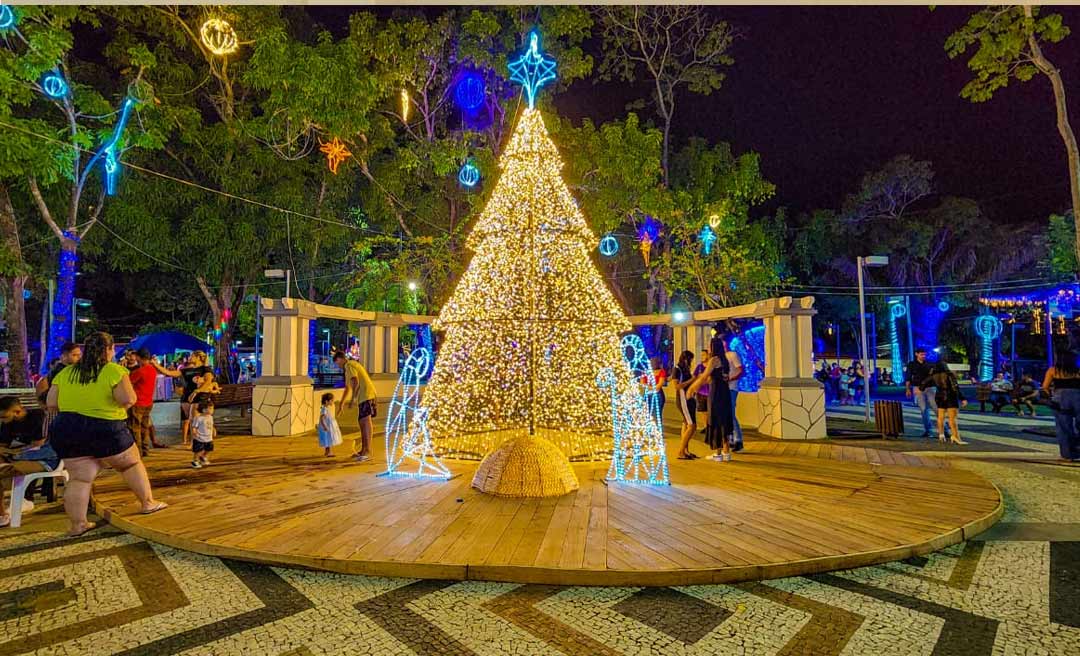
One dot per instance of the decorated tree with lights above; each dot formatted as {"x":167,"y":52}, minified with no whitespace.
{"x":531,"y":322}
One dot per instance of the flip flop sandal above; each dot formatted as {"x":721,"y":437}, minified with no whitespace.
{"x":89,"y":527}
{"x":160,"y":505}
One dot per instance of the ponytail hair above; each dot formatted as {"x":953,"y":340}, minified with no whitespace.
{"x":97,"y":352}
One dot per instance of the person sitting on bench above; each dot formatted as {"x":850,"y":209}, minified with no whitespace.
{"x":24,"y":448}
{"x":1000,"y":392}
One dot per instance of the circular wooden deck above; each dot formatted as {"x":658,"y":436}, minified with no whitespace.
{"x":780,"y":509}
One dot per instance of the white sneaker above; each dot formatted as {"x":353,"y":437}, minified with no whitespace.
{"x":718,"y":457}
{"x":727,"y":457}
{"x":195,"y":464}
{"x":27,"y":506}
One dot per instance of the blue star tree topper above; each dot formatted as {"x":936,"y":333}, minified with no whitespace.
{"x":532,"y":69}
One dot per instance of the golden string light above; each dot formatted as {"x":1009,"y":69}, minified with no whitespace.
{"x":218,"y":36}
{"x":335,"y":152}
{"x":530,"y":323}
{"x":405,"y":105}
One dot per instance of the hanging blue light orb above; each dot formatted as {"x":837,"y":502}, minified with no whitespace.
{"x":54,"y":86}
{"x":469,"y":91}
{"x":943,"y":306}
{"x":469,"y":175}
{"x":897,"y":310}
{"x":609,"y":246}
{"x":7,"y":17}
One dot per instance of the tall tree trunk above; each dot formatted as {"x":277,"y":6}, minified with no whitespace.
{"x":227,"y":297}
{"x":60,"y":330}
{"x":13,"y":286}
{"x":1063,"y":125}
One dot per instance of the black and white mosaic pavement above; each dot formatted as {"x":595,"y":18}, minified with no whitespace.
{"x":1015,"y":590}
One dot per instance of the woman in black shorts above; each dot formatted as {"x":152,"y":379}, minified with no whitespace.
{"x":948,"y":398}
{"x":686,"y":402}
{"x":92,"y":398}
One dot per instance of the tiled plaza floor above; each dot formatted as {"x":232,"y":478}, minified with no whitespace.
{"x":1015,"y":590}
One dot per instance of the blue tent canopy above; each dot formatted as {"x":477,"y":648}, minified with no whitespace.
{"x":167,"y":342}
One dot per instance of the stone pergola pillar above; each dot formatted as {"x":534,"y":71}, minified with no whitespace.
{"x":790,"y":402}
{"x":283,"y":401}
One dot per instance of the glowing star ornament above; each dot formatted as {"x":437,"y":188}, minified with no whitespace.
{"x":335,"y":152}
{"x":219,"y":37}
{"x":532,"y":70}
{"x":408,"y":440}
{"x":54,"y":85}
{"x":707,"y":238}
{"x":609,"y":246}
{"x":469,"y":175}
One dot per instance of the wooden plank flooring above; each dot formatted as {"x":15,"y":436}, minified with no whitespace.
{"x":780,"y":509}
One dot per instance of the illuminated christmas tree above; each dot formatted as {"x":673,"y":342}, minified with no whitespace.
{"x":531,"y":322}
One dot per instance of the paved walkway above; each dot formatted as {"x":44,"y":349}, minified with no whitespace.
{"x":1012,"y":591}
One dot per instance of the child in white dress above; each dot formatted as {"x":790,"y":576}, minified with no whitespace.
{"x":329,"y":431}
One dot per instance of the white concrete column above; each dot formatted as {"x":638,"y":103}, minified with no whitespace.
{"x":805,"y":339}
{"x":377,"y":351}
{"x":363,"y":336}
{"x":269,"y":346}
{"x":392,"y":345}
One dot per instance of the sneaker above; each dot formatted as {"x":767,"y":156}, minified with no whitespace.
{"x":726,"y":457}
{"x":27,"y":506}
{"x":195,"y":464}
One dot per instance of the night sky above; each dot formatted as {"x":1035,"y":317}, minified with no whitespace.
{"x":828,"y":93}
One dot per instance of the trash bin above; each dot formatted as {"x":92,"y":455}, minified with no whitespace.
{"x":889,"y":418}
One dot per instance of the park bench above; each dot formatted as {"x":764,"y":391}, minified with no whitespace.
{"x":235,"y":395}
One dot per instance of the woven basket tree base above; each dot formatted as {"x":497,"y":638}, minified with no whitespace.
{"x":526,"y":467}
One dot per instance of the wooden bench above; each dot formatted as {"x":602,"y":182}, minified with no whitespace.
{"x":27,"y":396}
{"x":235,"y":395}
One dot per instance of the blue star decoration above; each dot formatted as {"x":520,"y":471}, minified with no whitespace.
{"x":532,"y":69}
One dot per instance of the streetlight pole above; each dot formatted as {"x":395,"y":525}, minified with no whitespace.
{"x":873,"y":260}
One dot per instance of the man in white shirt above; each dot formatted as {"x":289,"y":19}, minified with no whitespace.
{"x":736,"y":372}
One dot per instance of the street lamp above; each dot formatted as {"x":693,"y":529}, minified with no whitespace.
{"x":278,"y":274}
{"x":871,"y":261}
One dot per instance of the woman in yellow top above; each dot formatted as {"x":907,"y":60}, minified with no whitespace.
{"x":92,"y":398}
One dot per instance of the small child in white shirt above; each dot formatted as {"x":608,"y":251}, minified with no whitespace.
{"x":203,"y":433}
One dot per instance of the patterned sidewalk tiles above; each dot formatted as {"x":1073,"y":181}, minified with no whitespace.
{"x":1014,"y":590}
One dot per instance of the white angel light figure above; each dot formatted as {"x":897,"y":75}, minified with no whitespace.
{"x":407,"y":435}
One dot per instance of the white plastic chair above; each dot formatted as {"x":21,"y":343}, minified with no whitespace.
{"x":19,"y":485}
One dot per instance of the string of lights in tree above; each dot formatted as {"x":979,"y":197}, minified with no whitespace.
{"x":107,"y":152}
{"x":219,"y":37}
{"x":988,"y":328}
{"x":62,"y":319}
{"x":408,"y":439}
{"x":897,"y":310}
{"x":223,"y":325}
{"x":531,"y":320}
{"x":707,"y":238}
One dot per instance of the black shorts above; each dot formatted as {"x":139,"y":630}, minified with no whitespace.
{"x":200,"y":447}
{"x":77,"y":436}
{"x":367,"y":409}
